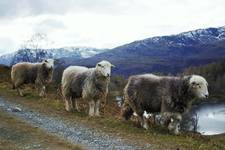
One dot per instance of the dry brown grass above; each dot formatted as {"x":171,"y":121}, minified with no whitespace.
{"x":111,"y":123}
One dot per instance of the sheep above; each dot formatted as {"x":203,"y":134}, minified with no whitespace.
{"x":90,"y":84}
{"x":37,"y":73}
{"x":154,"y":93}
{"x":167,"y":119}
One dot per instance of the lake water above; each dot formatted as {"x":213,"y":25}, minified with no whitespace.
{"x":211,"y":118}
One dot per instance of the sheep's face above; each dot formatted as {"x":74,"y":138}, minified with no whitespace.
{"x":199,"y":86}
{"x":174,"y":126}
{"x":104,"y":67}
{"x":49,"y":63}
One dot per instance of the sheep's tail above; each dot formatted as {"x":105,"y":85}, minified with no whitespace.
{"x":126,"y":111}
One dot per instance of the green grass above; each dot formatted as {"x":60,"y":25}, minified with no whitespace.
{"x":111,"y":122}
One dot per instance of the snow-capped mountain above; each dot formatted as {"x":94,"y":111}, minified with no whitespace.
{"x":36,"y":55}
{"x":6,"y":59}
{"x":167,"y":54}
{"x":191,"y":38}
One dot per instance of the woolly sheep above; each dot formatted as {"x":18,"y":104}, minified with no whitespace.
{"x":38,"y":73}
{"x":90,"y":84}
{"x":153,"y":93}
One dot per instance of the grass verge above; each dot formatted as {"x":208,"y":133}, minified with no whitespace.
{"x":112,"y":124}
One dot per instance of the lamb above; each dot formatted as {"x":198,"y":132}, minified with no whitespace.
{"x":37,"y":73}
{"x":90,"y":84}
{"x":155,"y":94}
{"x":167,"y":119}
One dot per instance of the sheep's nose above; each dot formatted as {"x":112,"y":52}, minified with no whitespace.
{"x":206,"y":95}
{"x":108,"y":75}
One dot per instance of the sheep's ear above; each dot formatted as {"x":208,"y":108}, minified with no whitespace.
{"x":113,"y":66}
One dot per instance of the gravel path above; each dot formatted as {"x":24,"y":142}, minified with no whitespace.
{"x":75,"y":133}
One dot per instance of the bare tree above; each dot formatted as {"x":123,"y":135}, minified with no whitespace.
{"x":36,"y":41}
{"x":190,"y":122}
{"x":195,"y":121}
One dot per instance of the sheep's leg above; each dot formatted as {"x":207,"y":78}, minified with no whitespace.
{"x":42,"y":93}
{"x":91,"y":108}
{"x":77,"y":106}
{"x":97,"y":105}
{"x":19,"y":91}
{"x":145,"y":123}
{"x":137,"y":108}
{"x":165,"y":105}
{"x":17,"y":86}
{"x":73,"y":103}
{"x":38,"y":87}
{"x":68,"y":104}
{"x":104,"y":100}
{"x":142,"y":121}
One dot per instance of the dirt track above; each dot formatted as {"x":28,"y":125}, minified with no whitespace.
{"x":76,"y":134}
{"x":16,"y":134}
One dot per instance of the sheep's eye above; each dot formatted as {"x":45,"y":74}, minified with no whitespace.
{"x":99,"y":65}
{"x":46,"y":61}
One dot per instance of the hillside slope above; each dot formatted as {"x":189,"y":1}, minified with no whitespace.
{"x":166,"y":54}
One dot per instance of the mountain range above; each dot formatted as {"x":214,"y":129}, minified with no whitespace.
{"x":36,"y":55}
{"x":163,"y":54}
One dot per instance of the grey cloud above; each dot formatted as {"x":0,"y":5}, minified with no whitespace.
{"x":48,"y":25}
{"x":14,"y":8}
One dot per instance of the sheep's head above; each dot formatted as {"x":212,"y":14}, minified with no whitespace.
{"x":174,"y":124}
{"x":104,"y":68}
{"x":199,"y":86}
{"x":49,"y":65}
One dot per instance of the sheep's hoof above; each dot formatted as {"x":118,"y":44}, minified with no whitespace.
{"x":91,"y":115}
{"x":146,"y":126}
{"x":42,"y":95}
{"x":97,"y":115}
{"x":68,"y":109}
{"x":21,"y":94}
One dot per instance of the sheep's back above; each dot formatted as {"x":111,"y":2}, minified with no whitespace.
{"x":69,"y":76}
{"x":71,"y":71}
{"x":24,"y":71}
{"x":145,"y":91}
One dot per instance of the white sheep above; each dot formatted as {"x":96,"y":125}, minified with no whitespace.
{"x":90,"y":84}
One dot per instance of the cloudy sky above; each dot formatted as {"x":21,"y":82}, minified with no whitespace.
{"x":102,"y":23}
